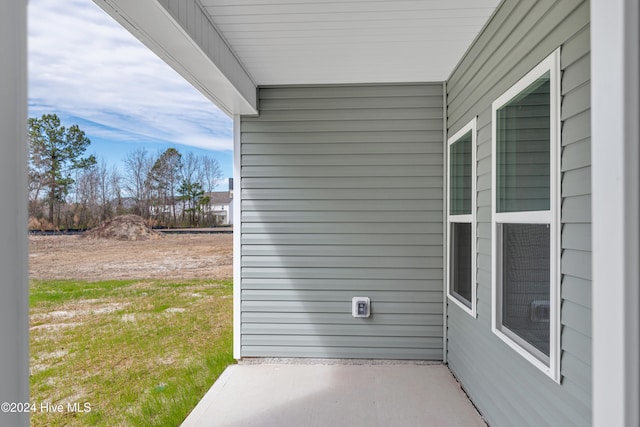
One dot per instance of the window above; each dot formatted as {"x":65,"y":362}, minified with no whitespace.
{"x":461,"y":223}
{"x":525,"y":216}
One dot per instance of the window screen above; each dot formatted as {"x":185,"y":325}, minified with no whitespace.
{"x":525,"y":282}
{"x":460,"y":259}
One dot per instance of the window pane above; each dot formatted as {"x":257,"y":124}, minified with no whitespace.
{"x":522,"y":149}
{"x":460,"y":179}
{"x":525,"y":282}
{"x":460,"y":268}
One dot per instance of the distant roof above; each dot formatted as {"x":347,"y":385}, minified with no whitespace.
{"x":220,"y":197}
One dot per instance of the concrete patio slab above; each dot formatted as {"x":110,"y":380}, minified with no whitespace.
{"x":335,"y":394}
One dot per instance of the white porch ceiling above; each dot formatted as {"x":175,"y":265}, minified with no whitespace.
{"x":348,"y":41}
{"x":226,"y":48}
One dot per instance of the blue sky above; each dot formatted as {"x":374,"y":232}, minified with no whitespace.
{"x":90,"y":71}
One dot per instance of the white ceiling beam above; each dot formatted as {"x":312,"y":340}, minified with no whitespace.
{"x":182,"y":35}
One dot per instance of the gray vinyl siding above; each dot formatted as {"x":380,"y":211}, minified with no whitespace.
{"x":342,"y":196}
{"x":506,"y":388}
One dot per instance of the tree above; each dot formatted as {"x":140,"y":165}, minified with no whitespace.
{"x":87,"y":197}
{"x":191,"y":167}
{"x":210,"y":173}
{"x":164,"y":177}
{"x":54,"y":153}
{"x":109,"y":189}
{"x":191,"y":194}
{"x":115,"y":183}
{"x":137,"y":184}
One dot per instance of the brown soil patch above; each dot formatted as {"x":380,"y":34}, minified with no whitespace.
{"x":197,"y":256}
{"x":124,"y":227}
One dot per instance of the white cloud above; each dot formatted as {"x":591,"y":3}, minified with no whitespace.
{"x":84,"y":64}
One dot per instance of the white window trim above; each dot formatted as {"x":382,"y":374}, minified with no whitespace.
{"x":550,"y":64}
{"x":468,"y":218}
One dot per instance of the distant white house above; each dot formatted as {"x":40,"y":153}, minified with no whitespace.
{"x":221,"y":205}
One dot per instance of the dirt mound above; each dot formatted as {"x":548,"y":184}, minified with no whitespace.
{"x":125,"y":227}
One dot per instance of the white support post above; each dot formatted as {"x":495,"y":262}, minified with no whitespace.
{"x":445,"y":254}
{"x":615,"y":182}
{"x":14,"y":291}
{"x":237,"y":236}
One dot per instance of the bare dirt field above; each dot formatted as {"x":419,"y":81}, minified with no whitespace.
{"x":191,"y":256}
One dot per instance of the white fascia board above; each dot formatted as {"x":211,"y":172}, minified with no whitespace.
{"x":615,"y":211}
{"x":181,"y":35}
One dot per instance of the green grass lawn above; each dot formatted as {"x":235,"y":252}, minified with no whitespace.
{"x":134,"y":352}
